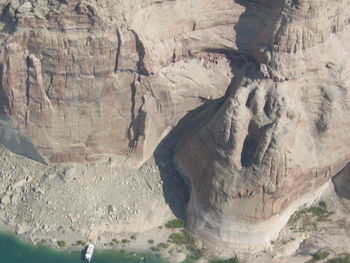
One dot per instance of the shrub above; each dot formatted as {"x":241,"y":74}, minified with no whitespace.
{"x":61,"y":243}
{"x":322,"y":204}
{"x":310,"y":216}
{"x":80,"y":243}
{"x":163,"y":245}
{"x":151,"y":241}
{"x":155,"y":249}
{"x":230,"y":260}
{"x":125,"y":241}
{"x":196,"y":253}
{"x":176,"y":223}
{"x":183,"y":238}
{"x":133,"y":237}
{"x":320,"y":255}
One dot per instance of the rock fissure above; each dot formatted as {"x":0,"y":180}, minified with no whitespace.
{"x":252,"y":95}
{"x":118,"y":51}
{"x":141,"y":54}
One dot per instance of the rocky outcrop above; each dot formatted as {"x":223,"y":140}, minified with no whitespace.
{"x":280,"y":134}
{"x":86,"y":78}
{"x":260,"y":90}
{"x":342,"y":183}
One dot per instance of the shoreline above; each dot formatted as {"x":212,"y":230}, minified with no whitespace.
{"x":40,"y":251}
{"x":102,"y":202}
{"x":138,"y":246}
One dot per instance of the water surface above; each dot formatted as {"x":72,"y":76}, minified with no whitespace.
{"x":13,"y":250}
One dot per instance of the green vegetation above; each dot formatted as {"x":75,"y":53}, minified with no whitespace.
{"x":163,"y":245}
{"x":196,"y":253}
{"x":125,"y":241}
{"x":155,"y":249}
{"x":61,"y":243}
{"x":133,"y":237}
{"x":342,"y":259}
{"x":115,"y":241}
{"x":323,"y":204}
{"x":185,"y":238}
{"x":80,"y":243}
{"x":151,"y":241}
{"x":310,"y":216}
{"x":318,"y":256}
{"x":230,"y":260}
{"x":176,"y":223}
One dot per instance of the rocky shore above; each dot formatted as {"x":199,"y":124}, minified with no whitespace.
{"x":66,"y":206}
{"x":251,"y":98}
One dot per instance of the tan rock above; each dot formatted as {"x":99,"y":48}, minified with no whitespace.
{"x":80,"y":82}
{"x":266,"y":84}
{"x":5,"y":200}
{"x":267,"y":149}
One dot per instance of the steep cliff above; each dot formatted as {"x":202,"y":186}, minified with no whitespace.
{"x":261,"y":89}
{"x":280,"y":133}
{"x":83,"y":78}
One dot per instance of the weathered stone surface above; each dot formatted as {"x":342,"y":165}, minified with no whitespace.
{"x":280,"y":134}
{"x":268,"y":80}
{"x":85,"y":78}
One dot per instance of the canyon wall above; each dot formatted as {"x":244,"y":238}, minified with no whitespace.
{"x":82,"y":79}
{"x":281,"y":132}
{"x":265,"y":83}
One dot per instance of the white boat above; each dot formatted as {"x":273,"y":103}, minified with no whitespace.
{"x":89,"y":252}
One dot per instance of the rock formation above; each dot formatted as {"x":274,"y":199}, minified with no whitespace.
{"x":342,"y":183}
{"x":280,"y":133}
{"x":84,"y":78}
{"x":261,"y":89}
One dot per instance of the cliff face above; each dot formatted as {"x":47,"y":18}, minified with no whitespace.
{"x":267,"y":83}
{"x":280,"y":133}
{"x":84,"y":78}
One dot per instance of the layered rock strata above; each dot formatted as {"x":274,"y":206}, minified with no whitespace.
{"x":85,"y":78}
{"x":260,"y":88}
{"x":281,"y":132}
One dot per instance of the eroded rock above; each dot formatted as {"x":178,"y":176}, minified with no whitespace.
{"x":259,"y":90}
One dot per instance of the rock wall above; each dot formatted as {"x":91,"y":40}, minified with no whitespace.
{"x":266,"y":84}
{"x":86,"y":78}
{"x":342,"y":183}
{"x":281,"y":132}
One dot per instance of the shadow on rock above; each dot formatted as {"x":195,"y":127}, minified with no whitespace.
{"x":176,"y":191}
{"x":342,"y":182}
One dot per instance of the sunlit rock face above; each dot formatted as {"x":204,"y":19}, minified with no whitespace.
{"x":260,"y":88}
{"x":85,"y":78}
{"x":280,"y":133}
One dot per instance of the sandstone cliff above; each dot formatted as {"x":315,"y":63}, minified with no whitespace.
{"x":82,"y":78}
{"x":280,"y":133}
{"x":266,"y":84}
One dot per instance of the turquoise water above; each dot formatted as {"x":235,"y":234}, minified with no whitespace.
{"x":12,"y":250}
